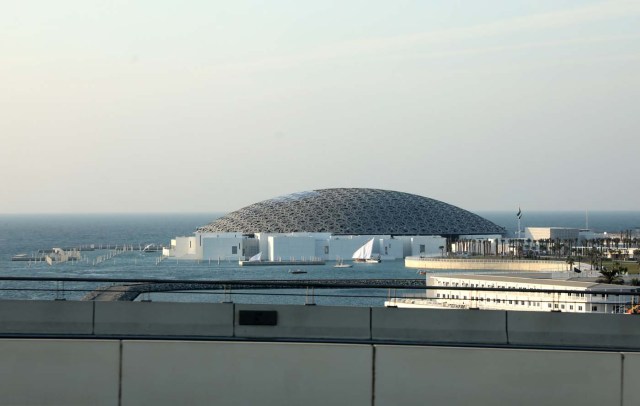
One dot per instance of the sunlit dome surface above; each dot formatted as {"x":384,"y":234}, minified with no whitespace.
{"x":351,"y":211}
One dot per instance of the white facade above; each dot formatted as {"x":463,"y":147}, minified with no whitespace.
{"x":289,"y":247}
{"x":542,"y":233}
{"x":426,"y":246}
{"x":184,"y":247}
{"x":299,"y":246}
{"x":224,"y":246}
{"x":579,"y":300}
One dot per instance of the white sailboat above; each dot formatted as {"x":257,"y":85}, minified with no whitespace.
{"x":257,"y":257}
{"x":363,"y":254}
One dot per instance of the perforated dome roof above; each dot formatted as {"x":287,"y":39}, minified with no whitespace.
{"x":352,"y":211}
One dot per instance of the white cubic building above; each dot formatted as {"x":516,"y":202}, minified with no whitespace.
{"x":551,"y":233}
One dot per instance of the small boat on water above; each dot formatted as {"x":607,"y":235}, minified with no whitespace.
{"x":364,"y":254}
{"x":152,"y":248}
{"x":297,"y":271}
{"x":341,"y":264}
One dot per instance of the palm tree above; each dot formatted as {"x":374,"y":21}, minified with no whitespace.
{"x":570,"y":261}
{"x":613,"y":275}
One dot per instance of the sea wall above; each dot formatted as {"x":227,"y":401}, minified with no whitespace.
{"x":485,"y":264}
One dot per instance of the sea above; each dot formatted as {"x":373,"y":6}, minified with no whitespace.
{"x":28,"y":233}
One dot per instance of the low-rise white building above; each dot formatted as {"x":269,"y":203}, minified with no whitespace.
{"x":517,"y":293}
{"x":299,"y":246}
{"x":551,"y":233}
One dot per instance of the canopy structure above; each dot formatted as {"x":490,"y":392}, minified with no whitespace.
{"x":354,"y":211}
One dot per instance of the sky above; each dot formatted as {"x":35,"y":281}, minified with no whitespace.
{"x":208,"y":106}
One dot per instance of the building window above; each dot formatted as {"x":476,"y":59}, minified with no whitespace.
{"x":549,"y":304}
{"x":555,"y":305}
{"x":571,"y":307}
{"x":594,"y":308}
{"x":438,"y":294}
{"x":422,"y":248}
{"x":326,"y":250}
{"x":562,"y":306}
{"x":234,"y":250}
{"x":579,"y":307}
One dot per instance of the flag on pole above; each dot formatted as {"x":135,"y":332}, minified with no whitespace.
{"x":519,"y":213}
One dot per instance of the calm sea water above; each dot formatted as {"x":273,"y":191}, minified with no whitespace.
{"x":29,"y":233}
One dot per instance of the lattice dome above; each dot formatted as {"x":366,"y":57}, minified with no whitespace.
{"x":350,"y":211}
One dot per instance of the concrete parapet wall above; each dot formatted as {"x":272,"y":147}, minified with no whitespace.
{"x":439,"y":326}
{"x":59,"y":372}
{"x":221,"y":320}
{"x":573,"y":330}
{"x":323,"y":322}
{"x":151,"y":372}
{"x":485,"y":264}
{"x":480,"y":376}
{"x":164,"y":319}
{"x":225,"y":373}
{"x":631,"y":371}
{"x":45,"y":317}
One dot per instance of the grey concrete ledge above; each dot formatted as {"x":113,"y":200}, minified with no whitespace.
{"x":573,"y":330}
{"x":46,"y":317}
{"x":439,"y":326}
{"x":164,"y":319}
{"x":320,"y":323}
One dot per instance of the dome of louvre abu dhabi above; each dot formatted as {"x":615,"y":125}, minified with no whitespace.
{"x":353,"y":211}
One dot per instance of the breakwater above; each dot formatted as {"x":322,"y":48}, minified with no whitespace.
{"x":129,"y":292}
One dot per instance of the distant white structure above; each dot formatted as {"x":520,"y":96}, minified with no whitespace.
{"x":579,"y":300}
{"x":586,"y":234}
{"x":552,"y":233}
{"x":299,"y":246}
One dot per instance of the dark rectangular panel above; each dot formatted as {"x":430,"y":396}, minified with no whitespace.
{"x":258,"y":318}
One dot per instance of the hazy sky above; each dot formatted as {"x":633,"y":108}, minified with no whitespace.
{"x":207,"y":106}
